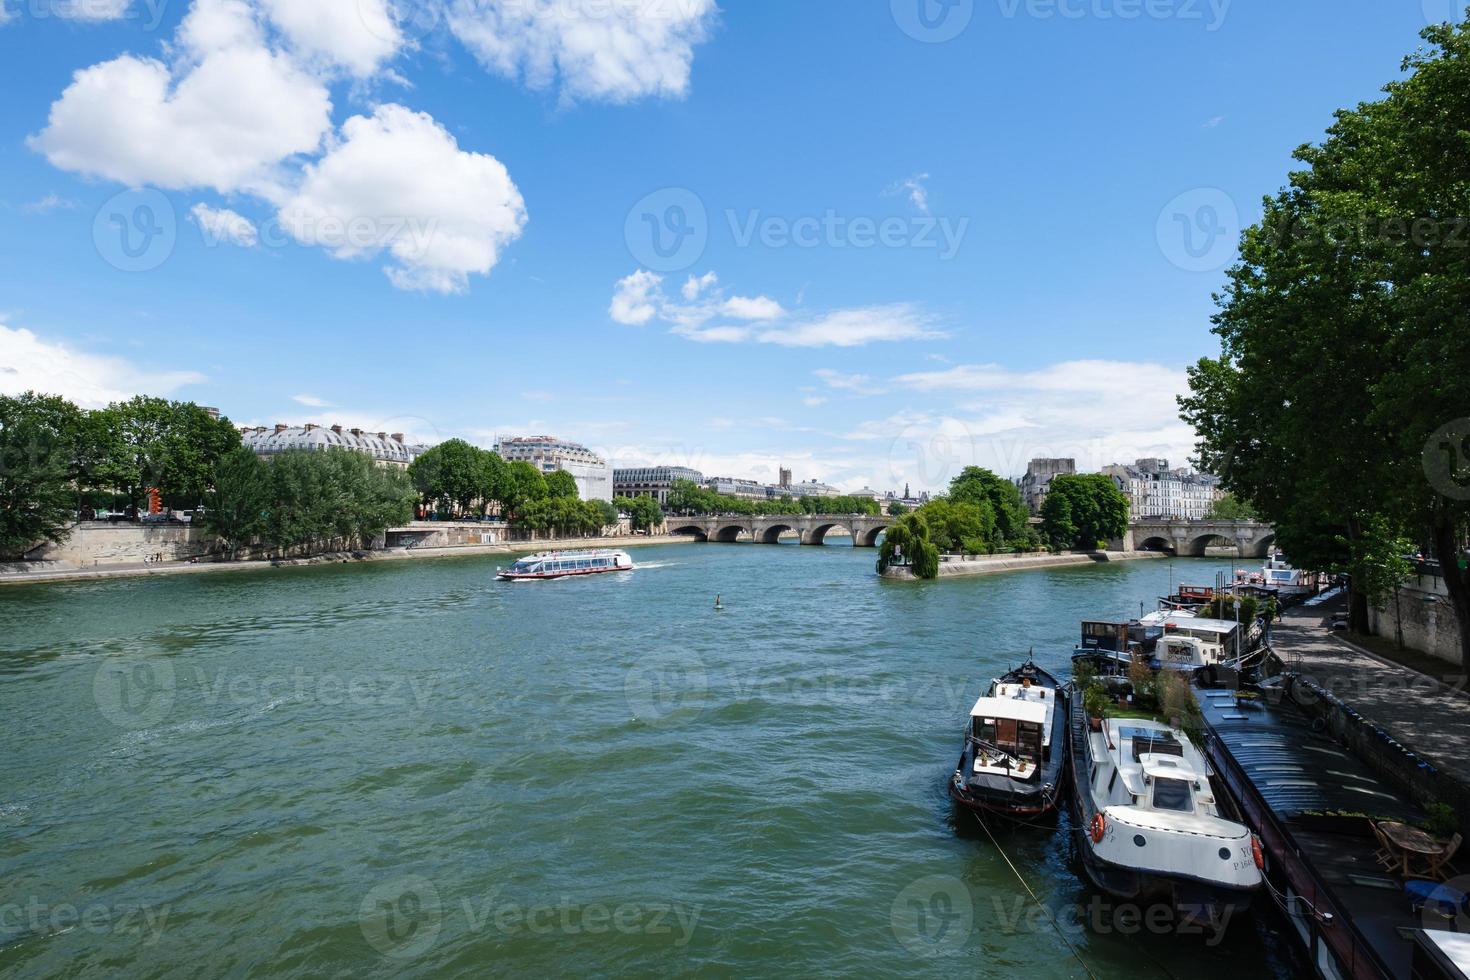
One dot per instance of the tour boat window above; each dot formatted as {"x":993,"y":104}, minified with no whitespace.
{"x":1172,"y":794}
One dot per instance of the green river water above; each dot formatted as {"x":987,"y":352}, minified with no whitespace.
{"x":410,"y":769}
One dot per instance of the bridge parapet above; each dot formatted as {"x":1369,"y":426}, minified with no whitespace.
{"x":1251,"y":539}
{"x":811,"y":529}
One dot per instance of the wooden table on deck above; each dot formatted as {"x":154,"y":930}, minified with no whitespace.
{"x":1410,"y":841}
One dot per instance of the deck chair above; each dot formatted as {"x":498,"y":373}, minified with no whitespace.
{"x":1439,"y":864}
{"x":1386,"y":855}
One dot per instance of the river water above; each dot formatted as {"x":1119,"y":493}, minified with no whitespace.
{"x":409,"y":769}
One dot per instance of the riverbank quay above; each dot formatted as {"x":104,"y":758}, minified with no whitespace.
{"x":1312,"y":803}
{"x":1412,"y":728}
{"x":953,"y":566}
{"x":31,"y":573}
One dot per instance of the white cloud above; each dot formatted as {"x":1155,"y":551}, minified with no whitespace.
{"x":358,"y":35}
{"x":397,"y":181}
{"x":310,"y":401}
{"x":51,"y":202}
{"x":226,"y":117}
{"x":858,"y":384}
{"x":914,"y":188}
{"x":89,"y":380}
{"x":752,"y":308}
{"x":224,"y":225}
{"x":1214,"y":122}
{"x":698,"y":284}
{"x":602,"y":51}
{"x":92,"y":10}
{"x":855,"y":328}
{"x":634,"y":298}
{"x":813,"y":401}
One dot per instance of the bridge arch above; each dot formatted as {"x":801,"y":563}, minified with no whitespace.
{"x":869,"y":539}
{"x":772,"y":534}
{"x":818,"y":533}
{"x":1157,"y":543}
{"x":694,"y":531}
{"x":1262,"y":548}
{"x":729,"y":533}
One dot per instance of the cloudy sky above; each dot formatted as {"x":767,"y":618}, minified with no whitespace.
{"x":872,"y":241}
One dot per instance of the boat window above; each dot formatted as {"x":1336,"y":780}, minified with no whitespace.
{"x":1172,"y":794}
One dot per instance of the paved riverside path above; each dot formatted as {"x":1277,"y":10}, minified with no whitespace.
{"x":1429,"y":715}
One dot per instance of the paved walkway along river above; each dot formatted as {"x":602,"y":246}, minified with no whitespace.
{"x":1430,"y":715}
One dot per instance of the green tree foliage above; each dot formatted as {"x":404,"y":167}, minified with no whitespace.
{"x":897,"y":509}
{"x":1089,"y":510}
{"x":149,"y":442}
{"x":457,"y":478}
{"x":331,"y":500}
{"x":643,"y":512}
{"x":1345,"y":332}
{"x":1012,"y":521}
{"x":38,"y":463}
{"x":561,"y":484}
{"x":908,"y":543}
{"x":522,"y":485}
{"x":237,"y":503}
{"x":1231,"y":508}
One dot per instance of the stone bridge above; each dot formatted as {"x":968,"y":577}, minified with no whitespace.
{"x":1190,"y":538}
{"x":812,"y":528}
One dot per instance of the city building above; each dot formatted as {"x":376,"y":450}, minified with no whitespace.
{"x":785,"y":478}
{"x":652,"y":481}
{"x":1155,"y":491}
{"x":549,"y":454}
{"x":389,"y":450}
{"x":810,"y":488}
{"x":1039,"y":474}
{"x":731,"y":487}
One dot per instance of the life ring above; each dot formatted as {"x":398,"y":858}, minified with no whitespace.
{"x":1099,"y":827}
{"x":1256,"y":853}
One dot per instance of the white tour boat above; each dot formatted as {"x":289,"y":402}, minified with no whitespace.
{"x":566,"y":564}
{"x":1278,"y":576}
{"x":1147,"y":823}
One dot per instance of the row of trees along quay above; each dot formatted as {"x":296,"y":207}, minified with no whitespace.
{"x":982,"y":514}
{"x":1338,"y":404}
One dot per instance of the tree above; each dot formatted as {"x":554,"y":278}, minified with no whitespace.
{"x":332,"y":499}
{"x":238,"y":499}
{"x":907,"y":542}
{"x":522,"y":484}
{"x":38,"y":447}
{"x":1012,"y":521}
{"x":897,"y":509}
{"x":152,"y":443}
{"x":561,"y":484}
{"x":456,"y":476}
{"x":1231,"y":508}
{"x":643,"y":512}
{"x":1344,"y":338}
{"x":1089,"y":511}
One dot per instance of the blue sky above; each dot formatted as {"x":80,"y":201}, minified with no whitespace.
{"x":983,"y":235}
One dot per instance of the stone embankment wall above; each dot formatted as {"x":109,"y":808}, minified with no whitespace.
{"x":96,"y":543}
{"x":954,"y":566}
{"x":1428,"y":620}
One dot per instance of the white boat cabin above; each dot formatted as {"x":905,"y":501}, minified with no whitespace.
{"x":1193,"y":642}
{"x":1011,"y":729}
